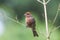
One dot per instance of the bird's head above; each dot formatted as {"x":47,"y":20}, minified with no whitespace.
{"x":27,"y":14}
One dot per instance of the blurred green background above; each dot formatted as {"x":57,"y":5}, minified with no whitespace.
{"x":13,"y":19}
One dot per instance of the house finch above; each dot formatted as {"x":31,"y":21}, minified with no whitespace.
{"x":30,"y":22}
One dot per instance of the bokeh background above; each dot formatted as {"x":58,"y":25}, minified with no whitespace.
{"x":12,"y":19}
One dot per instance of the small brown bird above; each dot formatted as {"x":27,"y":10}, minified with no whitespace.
{"x":31,"y":23}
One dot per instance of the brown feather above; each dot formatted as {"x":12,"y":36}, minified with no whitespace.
{"x":30,"y":21}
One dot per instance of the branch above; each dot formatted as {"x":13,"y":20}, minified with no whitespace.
{"x":46,"y":21}
{"x":40,"y":1}
{"x":54,"y":29}
{"x":43,"y":34}
{"x":55,"y":17}
{"x":14,"y":20}
{"x":48,"y":1}
{"x":56,"y":14}
{"x":59,"y":8}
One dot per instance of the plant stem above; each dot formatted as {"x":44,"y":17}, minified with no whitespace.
{"x":46,"y":21}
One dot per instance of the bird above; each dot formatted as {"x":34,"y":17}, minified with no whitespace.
{"x":31,"y":23}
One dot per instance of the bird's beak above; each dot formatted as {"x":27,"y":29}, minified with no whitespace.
{"x":24,"y":14}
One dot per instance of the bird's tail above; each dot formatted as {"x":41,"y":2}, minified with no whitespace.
{"x":35,"y":33}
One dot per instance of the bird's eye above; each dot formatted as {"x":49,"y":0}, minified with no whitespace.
{"x":27,"y":14}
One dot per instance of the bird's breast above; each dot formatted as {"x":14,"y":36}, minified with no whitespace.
{"x":29,"y":20}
